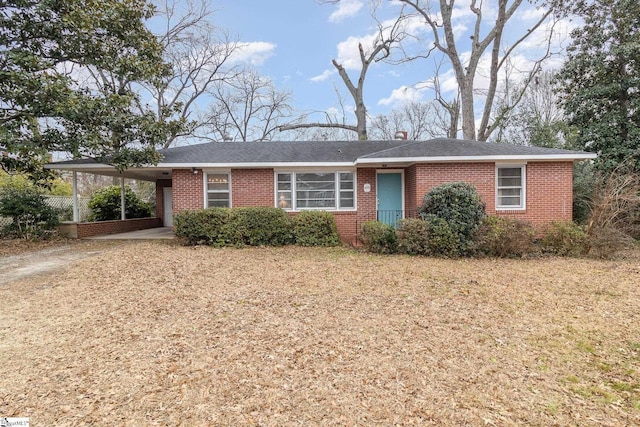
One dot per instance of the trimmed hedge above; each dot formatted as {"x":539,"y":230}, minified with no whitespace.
{"x":203,"y":227}
{"x":315,"y":228}
{"x":234,"y":227}
{"x":255,"y":226}
{"x":262,"y":226}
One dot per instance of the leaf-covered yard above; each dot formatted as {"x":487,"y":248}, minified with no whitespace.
{"x":151,"y":333}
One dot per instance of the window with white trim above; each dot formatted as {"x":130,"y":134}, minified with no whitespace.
{"x":218,"y":190}
{"x":315,"y":190}
{"x":510,"y":187}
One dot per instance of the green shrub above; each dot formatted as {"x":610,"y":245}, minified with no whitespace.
{"x":234,"y":227}
{"x":202,"y":227}
{"x":504,"y":238}
{"x":565,"y":238}
{"x":315,"y":228}
{"x":32,"y":217}
{"x":379,"y":237}
{"x":105,"y":204}
{"x":460,"y":206}
{"x":443,"y":241}
{"x":413,"y":236}
{"x":429,"y":236}
{"x":258,"y":226}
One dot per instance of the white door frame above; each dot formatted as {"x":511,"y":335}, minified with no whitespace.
{"x":167,"y":206}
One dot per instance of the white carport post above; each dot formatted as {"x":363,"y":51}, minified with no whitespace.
{"x":123,"y":214}
{"x":74,"y":189}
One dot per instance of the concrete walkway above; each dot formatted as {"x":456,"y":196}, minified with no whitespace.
{"x":148,"y":234}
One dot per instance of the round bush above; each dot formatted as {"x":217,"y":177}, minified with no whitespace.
{"x":429,"y":236}
{"x":105,"y":204}
{"x":460,"y":206}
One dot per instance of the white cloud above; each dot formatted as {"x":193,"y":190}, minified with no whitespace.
{"x":402,"y":95}
{"x":348,"y":53}
{"x":345,"y":9}
{"x":322,"y":77}
{"x":254,"y":53}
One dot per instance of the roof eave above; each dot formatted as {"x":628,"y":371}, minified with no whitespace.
{"x":492,"y":158}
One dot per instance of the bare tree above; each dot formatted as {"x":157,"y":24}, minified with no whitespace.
{"x":419,"y":119}
{"x":388,"y":36}
{"x":465,"y":66}
{"x":247,"y":108}
{"x":200,"y":55}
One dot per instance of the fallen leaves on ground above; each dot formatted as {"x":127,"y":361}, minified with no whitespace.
{"x":152,"y":333}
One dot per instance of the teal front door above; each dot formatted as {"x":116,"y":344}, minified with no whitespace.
{"x":389,"y":192}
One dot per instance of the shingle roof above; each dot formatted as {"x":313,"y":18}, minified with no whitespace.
{"x":274,"y":152}
{"x":348,"y":151}
{"x":306,"y":153}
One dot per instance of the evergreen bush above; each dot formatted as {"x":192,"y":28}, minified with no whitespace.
{"x":105,"y":204}
{"x":315,"y":228}
{"x":379,"y":238}
{"x":460,"y":206}
{"x":32,"y":217}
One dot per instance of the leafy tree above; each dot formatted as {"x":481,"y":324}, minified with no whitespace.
{"x":31,"y":216}
{"x":600,"y":81}
{"x":48,"y":52}
{"x":55,"y":187}
{"x":105,"y":204}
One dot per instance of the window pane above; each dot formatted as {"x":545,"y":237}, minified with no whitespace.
{"x":510,"y":182}
{"x":509,"y":201}
{"x":217,"y":190}
{"x":315,"y":190}
{"x":284,"y":199}
{"x":346,"y":201}
{"x":509,"y":192}
{"x":218,"y":200}
{"x":509,"y":172}
{"x":217,"y":182}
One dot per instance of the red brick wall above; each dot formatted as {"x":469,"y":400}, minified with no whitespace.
{"x":548,"y":198}
{"x":549,"y":187}
{"x":101,"y":228}
{"x":252,"y":187}
{"x":188,"y":189}
{"x":549,"y":193}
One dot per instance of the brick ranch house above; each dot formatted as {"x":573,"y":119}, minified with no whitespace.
{"x":356,"y":180}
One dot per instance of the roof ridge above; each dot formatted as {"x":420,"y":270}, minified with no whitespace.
{"x":393,"y":148}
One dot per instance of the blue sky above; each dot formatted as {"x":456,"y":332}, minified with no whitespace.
{"x":301,"y":38}
{"x":294,"y":41}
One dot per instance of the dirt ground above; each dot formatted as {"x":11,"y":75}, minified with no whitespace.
{"x":151,"y":333}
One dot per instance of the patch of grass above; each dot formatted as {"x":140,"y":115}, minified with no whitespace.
{"x":585,"y":346}
{"x":553,"y":408}
{"x":626,"y":387}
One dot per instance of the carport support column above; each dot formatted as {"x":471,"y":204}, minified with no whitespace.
{"x":123,"y":214}
{"x":74,"y":189}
